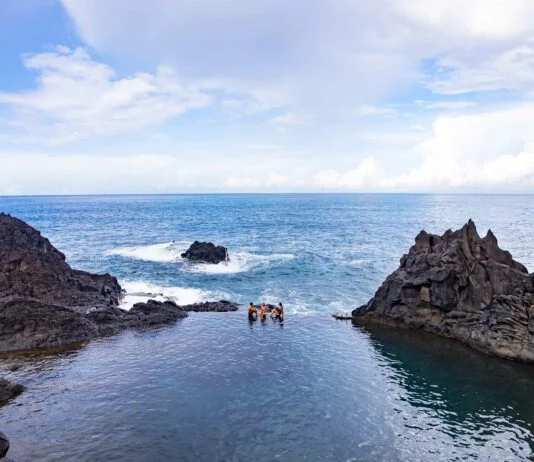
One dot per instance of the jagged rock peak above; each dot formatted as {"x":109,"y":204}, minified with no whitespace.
{"x":462,"y":286}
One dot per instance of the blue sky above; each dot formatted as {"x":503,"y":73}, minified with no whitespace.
{"x":164,"y":96}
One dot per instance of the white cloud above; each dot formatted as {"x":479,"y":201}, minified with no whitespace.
{"x":364,"y":175}
{"x":322,"y":54}
{"x":77,"y":97}
{"x":446,"y":105}
{"x":238,"y":183}
{"x":487,"y":150}
{"x":370,"y":110}
{"x":291,"y":119}
{"x":274,"y":64}
{"x":510,"y":69}
{"x":491,"y":150}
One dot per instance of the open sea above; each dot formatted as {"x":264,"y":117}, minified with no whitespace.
{"x":215,"y":388}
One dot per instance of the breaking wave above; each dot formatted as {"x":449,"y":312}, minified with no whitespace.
{"x":141,"y":291}
{"x":170,"y":252}
{"x":239,"y":262}
{"x":163,"y":253}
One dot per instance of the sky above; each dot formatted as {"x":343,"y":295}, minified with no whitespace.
{"x":186,"y":96}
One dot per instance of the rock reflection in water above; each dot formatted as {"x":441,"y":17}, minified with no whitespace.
{"x":453,"y":402}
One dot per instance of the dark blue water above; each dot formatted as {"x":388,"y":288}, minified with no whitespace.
{"x":215,"y":388}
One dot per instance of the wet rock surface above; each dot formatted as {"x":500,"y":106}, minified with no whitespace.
{"x":461,"y":286}
{"x":220,"y":306}
{"x":31,"y":267}
{"x":206,"y":252}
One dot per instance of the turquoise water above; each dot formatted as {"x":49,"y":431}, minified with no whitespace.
{"x":214,"y":387}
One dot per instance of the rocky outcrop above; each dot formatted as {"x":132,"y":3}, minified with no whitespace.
{"x":461,"y":286}
{"x":45,"y":303}
{"x":9,"y":390}
{"x":206,"y":252}
{"x":31,"y":267}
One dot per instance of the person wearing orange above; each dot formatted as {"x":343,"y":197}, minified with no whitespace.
{"x":263,"y":312}
{"x":278,"y":312}
{"x":252,"y":312}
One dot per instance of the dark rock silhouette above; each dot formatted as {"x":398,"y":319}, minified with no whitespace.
{"x":206,"y":252}
{"x":461,"y":286}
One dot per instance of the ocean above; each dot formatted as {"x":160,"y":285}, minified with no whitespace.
{"x":214,"y":387}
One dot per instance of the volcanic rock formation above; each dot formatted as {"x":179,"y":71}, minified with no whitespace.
{"x":206,"y":252}
{"x":31,"y":267}
{"x":45,"y":303}
{"x":461,"y":286}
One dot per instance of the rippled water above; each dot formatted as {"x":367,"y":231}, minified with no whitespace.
{"x":214,"y":387}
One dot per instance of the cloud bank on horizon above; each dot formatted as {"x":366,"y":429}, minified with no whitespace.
{"x":133,"y":96}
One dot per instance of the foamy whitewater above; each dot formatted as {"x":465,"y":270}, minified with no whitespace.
{"x":238,"y":262}
{"x":138,"y":291}
{"x":214,"y":387}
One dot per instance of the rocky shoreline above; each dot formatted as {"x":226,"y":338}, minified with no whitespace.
{"x":45,"y":303}
{"x":460,"y":286}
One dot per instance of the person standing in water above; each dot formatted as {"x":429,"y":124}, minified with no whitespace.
{"x":278,"y":312}
{"x":263,"y":312}
{"x":252,"y":312}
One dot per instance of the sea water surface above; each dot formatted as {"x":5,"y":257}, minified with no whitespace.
{"x":214,"y":387}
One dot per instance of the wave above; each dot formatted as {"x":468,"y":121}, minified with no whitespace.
{"x":163,"y":253}
{"x":239,"y":262}
{"x":170,"y":252}
{"x":141,"y":291}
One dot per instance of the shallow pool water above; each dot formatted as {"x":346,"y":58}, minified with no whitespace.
{"x":215,"y":387}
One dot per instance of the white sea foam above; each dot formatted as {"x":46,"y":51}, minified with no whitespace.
{"x":163,"y":253}
{"x":169,"y":252}
{"x":140,"y":291}
{"x":239,"y":262}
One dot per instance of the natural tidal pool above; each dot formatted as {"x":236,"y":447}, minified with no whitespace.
{"x":214,"y":387}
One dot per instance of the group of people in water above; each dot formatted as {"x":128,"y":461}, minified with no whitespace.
{"x":276,"y":312}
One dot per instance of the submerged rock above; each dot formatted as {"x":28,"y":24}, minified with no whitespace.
{"x":4,"y":445}
{"x":206,"y":252}
{"x":461,"y":286}
{"x":9,"y":390}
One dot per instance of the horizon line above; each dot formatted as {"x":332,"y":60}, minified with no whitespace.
{"x":316,"y":193}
